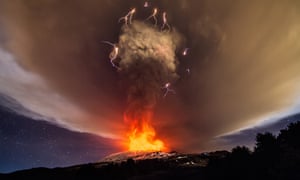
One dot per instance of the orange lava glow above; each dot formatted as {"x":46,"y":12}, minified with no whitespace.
{"x":142,"y":137}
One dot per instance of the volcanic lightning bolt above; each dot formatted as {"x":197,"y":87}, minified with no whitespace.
{"x":128,"y":16}
{"x":153,"y":15}
{"x":167,"y":89}
{"x":165,"y":22}
{"x":114,"y":53}
{"x":146,"y":61}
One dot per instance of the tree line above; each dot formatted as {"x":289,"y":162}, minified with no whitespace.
{"x":273,"y":157}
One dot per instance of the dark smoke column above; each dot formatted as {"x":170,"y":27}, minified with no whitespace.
{"x":147,"y":62}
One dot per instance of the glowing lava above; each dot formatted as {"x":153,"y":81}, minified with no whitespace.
{"x":142,"y":137}
{"x":144,"y":140}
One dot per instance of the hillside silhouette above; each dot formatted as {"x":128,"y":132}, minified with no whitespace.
{"x":273,"y":157}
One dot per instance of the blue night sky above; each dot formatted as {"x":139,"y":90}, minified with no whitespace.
{"x":27,"y":143}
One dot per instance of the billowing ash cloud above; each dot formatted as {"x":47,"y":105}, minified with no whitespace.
{"x":147,"y":63}
{"x":243,"y":57}
{"x":28,"y":94}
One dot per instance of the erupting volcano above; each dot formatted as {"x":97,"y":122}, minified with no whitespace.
{"x":145,"y":58}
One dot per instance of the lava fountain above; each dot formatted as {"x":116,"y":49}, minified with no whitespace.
{"x":142,"y":136}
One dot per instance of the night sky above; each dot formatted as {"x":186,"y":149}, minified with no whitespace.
{"x":62,"y":102}
{"x":26,"y":143}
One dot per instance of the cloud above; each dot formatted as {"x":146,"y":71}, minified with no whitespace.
{"x":243,"y":56}
{"x":28,"y":94}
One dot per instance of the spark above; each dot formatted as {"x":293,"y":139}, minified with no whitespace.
{"x":188,"y":70}
{"x":167,"y":89}
{"x":128,"y":16}
{"x":153,"y":15}
{"x":146,"y":4}
{"x":165,"y":22}
{"x":114,"y":53}
{"x":185,"y":51}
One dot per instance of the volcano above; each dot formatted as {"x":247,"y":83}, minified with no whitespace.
{"x":139,"y":155}
{"x":127,"y":165}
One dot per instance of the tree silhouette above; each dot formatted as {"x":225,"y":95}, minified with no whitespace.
{"x":289,"y":138}
{"x":290,"y":151}
{"x":241,"y":152}
{"x":265,"y":143}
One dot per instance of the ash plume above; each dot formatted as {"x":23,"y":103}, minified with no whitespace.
{"x":147,"y":62}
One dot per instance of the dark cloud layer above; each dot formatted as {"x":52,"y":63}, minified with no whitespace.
{"x":243,"y":56}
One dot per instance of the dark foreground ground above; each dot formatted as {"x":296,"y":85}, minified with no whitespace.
{"x":216,"y":165}
{"x":274,"y":157}
{"x":155,"y":165}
